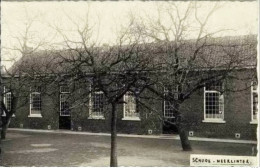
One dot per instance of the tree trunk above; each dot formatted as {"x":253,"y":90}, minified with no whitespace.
{"x":9,"y":114}
{"x":113,"y":154}
{"x":185,"y":143}
{"x":1,"y":124}
{"x":5,"y":126}
{"x":1,"y":141}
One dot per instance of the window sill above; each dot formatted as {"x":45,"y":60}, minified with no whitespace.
{"x":169,"y":117}
{"x":254,"y":122}
{"x":64,"y":115}
{"x":96,"y":117}
{"x":132,"y":118}
{"x":5,"y":115}
{"x":213,"y":121}
{"x":35,"y":115}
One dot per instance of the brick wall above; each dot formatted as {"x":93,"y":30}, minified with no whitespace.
{"x":237,"y":114}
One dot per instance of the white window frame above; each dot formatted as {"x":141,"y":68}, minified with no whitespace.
{"x":91,"y":113}
{"x":214,"y":120}
{"x":254,"y":120}
{"x":61,"y":94}
{"x":4,"y":95}
{"x":5,"y":102}
{"x":34,"y":115}
{"x":164,"y":101}
{"x":133,"y":118}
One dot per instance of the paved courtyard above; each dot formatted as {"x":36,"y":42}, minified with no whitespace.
{"x":47,"y":149}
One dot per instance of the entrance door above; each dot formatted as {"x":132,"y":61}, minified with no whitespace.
{"x":64,"y":118}
{"x":169,"y":120}
{"x":64,"y":122}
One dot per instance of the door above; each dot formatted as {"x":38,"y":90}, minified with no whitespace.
{"x":169,"y":120}
{"x":64,"y":122}
{"x":64,"y":117}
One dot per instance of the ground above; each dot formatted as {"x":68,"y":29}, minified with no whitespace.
{"x":48,"y":149}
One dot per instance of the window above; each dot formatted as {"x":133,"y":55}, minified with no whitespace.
{"x":169,"y":110}
{"x":7,"y":101}
{"x":254,"y":100}
{"x":130,"y":110}
{"x":64,"y":103}
{"x":35,"y":102}
{"x":213,"y":103}
{"x":97,"y":105}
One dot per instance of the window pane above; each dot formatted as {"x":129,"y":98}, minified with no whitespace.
{"x":35,"y":103}
{"x":168,"y":109}
{"x":130,"y":105}
{"x":214,"y":107}
{"x":8,"y":101}
{"x":255,"y":103}
{"x":64,"y":104}
{"x":97,"y":104}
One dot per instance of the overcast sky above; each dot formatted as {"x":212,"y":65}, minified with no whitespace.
{"x":240,"y":18}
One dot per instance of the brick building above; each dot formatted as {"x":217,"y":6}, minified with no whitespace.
{"x":208,"y":113}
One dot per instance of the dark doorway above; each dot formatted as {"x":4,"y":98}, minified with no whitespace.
{"x":64,"y":122}
{"x":64,"y":118}
{"x":169,"y":126}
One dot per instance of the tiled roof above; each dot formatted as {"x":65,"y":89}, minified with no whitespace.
{"x":240,"y":52}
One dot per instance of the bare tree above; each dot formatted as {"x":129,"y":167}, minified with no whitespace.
{"x":191,"y":64}
{"x":17,"y":79}
{"x":112,"y":70}
{"x":165,"y":59}
{"x":148,"y":57}
{"x":18,"y":83}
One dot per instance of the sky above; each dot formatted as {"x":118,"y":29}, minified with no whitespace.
{"x":107,"y":18}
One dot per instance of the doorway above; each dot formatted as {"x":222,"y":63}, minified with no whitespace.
{"x":64,"y":117}
{"x":64,"y":122}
